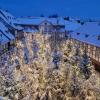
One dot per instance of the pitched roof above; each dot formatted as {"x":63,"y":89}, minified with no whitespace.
{"x":3,"y":39}
{"x":71,"y":25}
{"x":8,"y":19}
{"x":29,"y":30}
{"x":88,"y":33}
{"x":39,"y":20}
{"x":4,"y":31}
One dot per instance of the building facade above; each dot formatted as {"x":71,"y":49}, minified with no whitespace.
{"x":87,"y":37}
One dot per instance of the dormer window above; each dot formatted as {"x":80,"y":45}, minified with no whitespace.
{"x":78,"y":33}
{"x":78,"y":21}
{"x":45,"y":23}
{"x":82,"y":23}
{"x":86,"y":35}
{"x":99,"y":37}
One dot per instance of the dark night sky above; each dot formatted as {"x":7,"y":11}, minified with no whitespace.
{"x":80,"y":8}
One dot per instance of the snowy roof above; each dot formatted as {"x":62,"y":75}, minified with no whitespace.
{"x":18,"y":27}
{"x":7,"y":14}
{"x":5,"y":31}
{"x":88,"y":33}
{"x":39,"y":20}
{"x":62,"y":30}
{"x":9,"y":35}
{"x":8,"y":18}
{"x":71,"y":26}
{"x":2,"y":26}
{"x":29,"y":30}
{"x":27,"y":21}
{"x":4,"y":16}
{"x":3,"y":39}
{"x":56,"y":21}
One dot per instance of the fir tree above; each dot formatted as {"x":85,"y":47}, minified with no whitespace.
{"x":75,"y":87}
{"x":75,"y":56}
{"x":85,"y":65}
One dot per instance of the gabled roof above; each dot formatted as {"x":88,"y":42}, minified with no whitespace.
{"x":29,"y":30}
{"x":71,"y":25}
{"x":8,"y":19}
{"x":45,"y":21}
{"x":28,"y":21}
{"x":4,"y":31}
{"x":39,"y":20}
{"x":88,"y":33}
{"x":3,"y":39}
{"x":7,"y":14}
{"x":4,"y":17}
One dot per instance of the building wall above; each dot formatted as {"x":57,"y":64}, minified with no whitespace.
{"x":92,"y":51}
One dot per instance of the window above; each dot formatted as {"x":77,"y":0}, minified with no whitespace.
{"x":86,"y":35}
{"x":91,"y":51}
{"x":78,"y":33}
{"x":97,"y":54}
{"x":45,"y":23}
{"x":82,"y":23}
{"x":99,"y":37}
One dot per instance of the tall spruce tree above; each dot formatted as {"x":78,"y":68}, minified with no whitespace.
{"x":85,"y":65}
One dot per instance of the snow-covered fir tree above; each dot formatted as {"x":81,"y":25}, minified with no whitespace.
{"x":85,"y":65}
